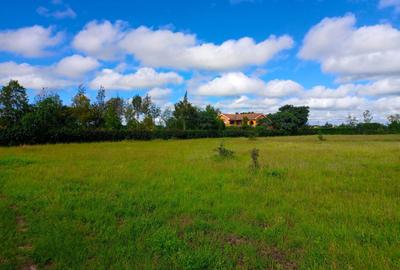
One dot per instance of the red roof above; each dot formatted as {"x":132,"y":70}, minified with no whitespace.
{"x":240,"y":116}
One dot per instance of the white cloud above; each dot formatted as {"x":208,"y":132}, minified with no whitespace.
{"x":237,"y":83}
{"x":142,"y":78}
{"x":165,"y":48}
{"x":353,"y":53}
{"x":390,"y":3}
{"x":100,"y":40}
{"x":31,"y":77}
{"x":58,"y":14}
{"x":160,"y":96}
{"x":29,"y":41}
{"x":76,"y":66}
{"x":159,"y":93}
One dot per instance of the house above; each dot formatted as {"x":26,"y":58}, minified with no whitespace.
{"x":237,"y":118}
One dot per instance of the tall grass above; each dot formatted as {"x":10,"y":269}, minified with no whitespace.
{"x":173,"y":205}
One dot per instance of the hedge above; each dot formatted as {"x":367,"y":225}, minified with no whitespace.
{"x":17,"y":136}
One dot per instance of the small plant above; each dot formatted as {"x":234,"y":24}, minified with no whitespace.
{"x":224,"y":152}
{"x":321,"y":137}
{"x":254,"y":154}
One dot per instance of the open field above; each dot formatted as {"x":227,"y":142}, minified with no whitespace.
{"x":331,"y":204}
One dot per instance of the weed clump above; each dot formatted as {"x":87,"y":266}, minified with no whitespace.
{"x":223,"y":152}
{"x":254,"y":154}
{"x":321,"y":137}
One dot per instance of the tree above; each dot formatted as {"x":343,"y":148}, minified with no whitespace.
{"x":167,"y":117}
{"x":186,"y":114}
{"x":285,"y":121}
{"x":13,"y":104}
{"x":81,"y":107}
{"x":301,"y":113}
{"x":394,"y":121}
{"x":351,"y":121}
{"x":47,"y":114}
{"x":288,"y":118}
{"x":367,"y":117}
{"x":208,"y":119}
{"x":113,"y":113}
{"x":99,"y":108}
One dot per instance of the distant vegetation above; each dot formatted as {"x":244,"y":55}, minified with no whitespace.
{"x":48,"y":120}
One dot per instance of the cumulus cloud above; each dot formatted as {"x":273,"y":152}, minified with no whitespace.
{"x":76,"y":66}
{"x":142,"y":78}
{"x":390,"y":3}
{"x":29,"y":41}
{"x":351,"y":52}
{"x":100,"y":40}
{"x":165,"y":48}
{"x":237,"y":83}
{"x":31,"y":77}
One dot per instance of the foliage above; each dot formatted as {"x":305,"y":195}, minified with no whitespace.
{"x":81,"y":107}
{"x":394,"y":121}
{"x":288,"y":119}
{"x":223,"y":152}
{"x":13,"y":104}
{"x":367,"y":115}
{"x":254,"y":154}
{"x":186,"y":114}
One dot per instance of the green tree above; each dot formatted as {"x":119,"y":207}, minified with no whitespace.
{"x":284,"y":120}
{"x":208,"y":119}
{"x":186,"y":114}
{"x":300,"y":112}
{"x":394,"y":121}
{"x":99,"y":109}
{"x":81,"y":108}
{"x":367,"y":117}
{"x":48,"y":114}
{"x":113,"y":113}
{"x":13,"y":104}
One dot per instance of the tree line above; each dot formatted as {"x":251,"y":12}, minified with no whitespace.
{"x":49,"y":120}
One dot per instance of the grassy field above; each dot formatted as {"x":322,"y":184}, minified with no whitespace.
{"x":331,"y":204}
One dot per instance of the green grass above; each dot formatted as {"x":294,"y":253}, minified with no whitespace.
{"x":331,"y":204}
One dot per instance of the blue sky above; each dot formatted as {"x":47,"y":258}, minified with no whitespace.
{"x":339,"y":57}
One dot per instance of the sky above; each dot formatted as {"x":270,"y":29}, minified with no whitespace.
{"x":339,"y":57}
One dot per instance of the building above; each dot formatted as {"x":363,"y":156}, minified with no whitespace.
{"x":237,"y":118}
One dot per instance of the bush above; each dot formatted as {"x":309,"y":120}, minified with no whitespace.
{"x":223,"y":152}
{"x":254,"y":154}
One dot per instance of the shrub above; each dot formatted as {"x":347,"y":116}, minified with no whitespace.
{"x":321,"y":137}
{"x":254,"y":154}
{"x":223,"y":152}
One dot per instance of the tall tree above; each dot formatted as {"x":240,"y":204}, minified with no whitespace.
{"x":99,"y":108}
{"x":300,"y":112}
{"x":186,"y":114}
{"x":114,"y":112}
{"x":81,"y":107}
{"x":367,"y":115}
{"x":13,"y":103}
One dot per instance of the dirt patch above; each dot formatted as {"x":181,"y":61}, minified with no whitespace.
{"x":277,"y":256}
{"x":182,"y":222}
{"x":21,"y":224}
{"x":27,"y":246}
{"x":263,"y":250}
{"x":29,"y":266}
{"x":235,"y":240}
